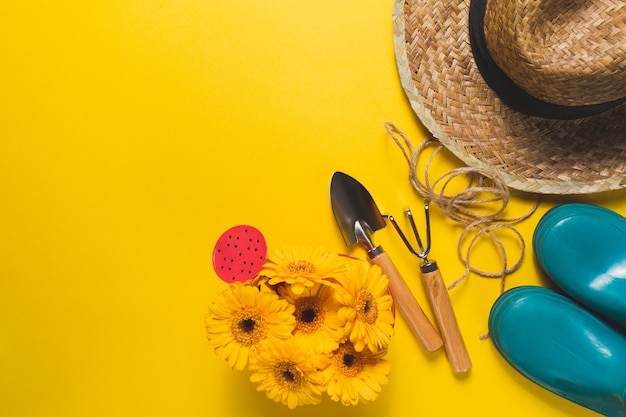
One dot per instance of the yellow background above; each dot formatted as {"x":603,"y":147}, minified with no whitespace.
{"x":133,"y":133}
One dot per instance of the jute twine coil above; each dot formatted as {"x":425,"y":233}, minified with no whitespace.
{"x":483,"y":187}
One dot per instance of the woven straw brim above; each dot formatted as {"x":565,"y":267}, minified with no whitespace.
{"x":448,"y":94}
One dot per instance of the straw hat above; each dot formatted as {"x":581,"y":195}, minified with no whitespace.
{"x":535,"y":92}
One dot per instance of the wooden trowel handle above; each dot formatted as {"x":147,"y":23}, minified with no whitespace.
{"x":446,"y":320}
{"x":408,"y":305}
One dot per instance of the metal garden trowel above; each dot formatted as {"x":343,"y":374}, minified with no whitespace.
{"x":358,"y":217}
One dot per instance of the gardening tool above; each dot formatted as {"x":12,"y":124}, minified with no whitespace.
{"x":437,"y":295}
{"x":358,"y":217}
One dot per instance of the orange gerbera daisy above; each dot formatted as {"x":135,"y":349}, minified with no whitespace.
{"x":300,"y":267}
{"x":355,"y":376}
{"x":289,"y":374}
{"x":367,"y":306}
{"x":317,"y":325}
{"x":244,"y":318}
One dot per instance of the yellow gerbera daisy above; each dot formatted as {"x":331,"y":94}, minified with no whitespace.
{"x":355,"y":377}
{"x":300,"y":267}
{"x":289,"y":374}
{"x":367,"y":306}
{"x":243,"y":318}
{"x":317,"y":325}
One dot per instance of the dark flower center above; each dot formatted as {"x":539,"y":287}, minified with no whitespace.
{"x":348,"y":360}
{"x":288,"y":376}
{"x":247,"y":325}
{"x":366,"y":306}
{"x":308,"y":315}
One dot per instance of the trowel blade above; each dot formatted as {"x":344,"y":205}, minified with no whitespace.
{"x":352,"y":204}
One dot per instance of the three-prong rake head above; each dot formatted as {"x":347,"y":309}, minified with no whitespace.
{"x":424,"y":249}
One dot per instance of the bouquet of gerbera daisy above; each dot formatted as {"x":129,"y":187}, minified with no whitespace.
{"x":309,"y":323}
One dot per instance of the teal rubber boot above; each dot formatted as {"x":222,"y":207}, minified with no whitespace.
{"x":562,"y":347}
{"x":582,"y":248}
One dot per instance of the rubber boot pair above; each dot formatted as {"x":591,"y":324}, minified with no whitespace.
{"x":572,"y":342}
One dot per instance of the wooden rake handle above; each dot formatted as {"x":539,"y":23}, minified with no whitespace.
{"x":408,"y":305}
{"x":446,"y":320}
